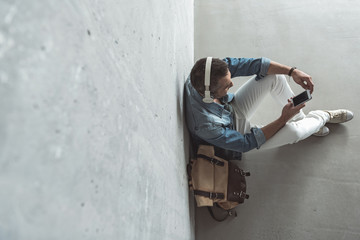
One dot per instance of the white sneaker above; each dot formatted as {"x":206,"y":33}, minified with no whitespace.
{"x":340,"y":116}
{"x":322,"y":132}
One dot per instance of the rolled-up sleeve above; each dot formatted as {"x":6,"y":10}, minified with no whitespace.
{"x":259,"y":136}
{"x":248,"y":66}
{"x":233,"y":140}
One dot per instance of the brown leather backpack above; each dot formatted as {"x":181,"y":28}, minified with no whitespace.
{"x":216,"y":181}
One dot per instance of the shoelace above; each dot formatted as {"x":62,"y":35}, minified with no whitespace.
{"x":338,"y":115}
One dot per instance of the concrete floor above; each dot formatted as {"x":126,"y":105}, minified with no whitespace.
{"x":309,"y":190}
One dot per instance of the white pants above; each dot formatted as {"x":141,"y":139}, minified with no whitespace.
{"x":249,"y":96}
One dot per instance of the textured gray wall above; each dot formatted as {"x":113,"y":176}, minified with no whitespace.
{"x":92,"y":139}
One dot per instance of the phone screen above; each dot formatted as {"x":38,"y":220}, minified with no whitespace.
{"x":302,"y":97}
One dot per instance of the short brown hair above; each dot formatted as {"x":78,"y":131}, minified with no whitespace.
{"x":219,"y":69}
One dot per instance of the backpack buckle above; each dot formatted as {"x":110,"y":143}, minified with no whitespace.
{"x":214,"y":161}
{"x":213,"y":195}
{"x":242,"y":194}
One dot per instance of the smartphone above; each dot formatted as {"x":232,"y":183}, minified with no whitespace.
{"x":301,"y":98}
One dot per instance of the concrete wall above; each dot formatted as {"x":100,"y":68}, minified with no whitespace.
{"x":92,"y":139}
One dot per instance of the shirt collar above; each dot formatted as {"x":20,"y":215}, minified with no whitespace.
{"x":214,"y":108}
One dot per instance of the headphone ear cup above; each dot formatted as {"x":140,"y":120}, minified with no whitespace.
{"x":207,"y":98}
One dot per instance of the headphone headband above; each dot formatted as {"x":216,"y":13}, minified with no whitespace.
{"x":207,"y":98}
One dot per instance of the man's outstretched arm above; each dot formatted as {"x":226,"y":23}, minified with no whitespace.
{"x":299,"y":77}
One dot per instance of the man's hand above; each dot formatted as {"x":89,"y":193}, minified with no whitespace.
{"x":289,"y":111}
{"x":303,"y":80}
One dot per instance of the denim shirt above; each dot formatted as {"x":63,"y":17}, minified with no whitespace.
{"x":212,"y":123}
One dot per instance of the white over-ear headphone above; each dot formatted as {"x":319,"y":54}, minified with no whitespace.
{"x":207,"y":98}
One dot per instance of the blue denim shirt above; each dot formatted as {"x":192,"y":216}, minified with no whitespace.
{"x":214,"y":124}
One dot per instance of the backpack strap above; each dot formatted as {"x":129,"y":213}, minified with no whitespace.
{"x":211,"y":160}
{"x":211,"y":195}
{"x":228,"y":213}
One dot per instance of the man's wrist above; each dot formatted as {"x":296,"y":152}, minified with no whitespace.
{"x":282,"y":120}
{"x":291,"y":71}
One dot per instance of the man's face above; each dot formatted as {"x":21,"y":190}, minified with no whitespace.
{"x":225,"y":84}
